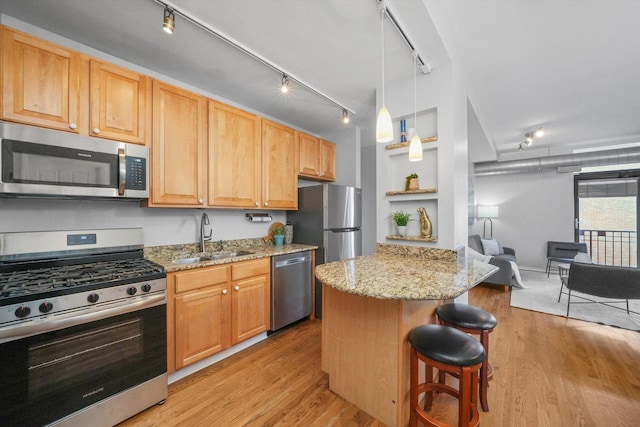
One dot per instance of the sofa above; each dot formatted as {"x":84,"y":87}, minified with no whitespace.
{"x":500,"y":258}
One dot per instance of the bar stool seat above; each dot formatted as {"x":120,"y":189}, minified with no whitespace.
{"x":476,"y":321}
{"x":448,"y":350}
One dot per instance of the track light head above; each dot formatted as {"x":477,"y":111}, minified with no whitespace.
{"x":538,"y":133}
{"x":284,"y":86}
{"x":345,"y":116}
{"x":169,"y":21}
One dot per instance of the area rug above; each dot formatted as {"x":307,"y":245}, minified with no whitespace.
{"x":541,"y":294}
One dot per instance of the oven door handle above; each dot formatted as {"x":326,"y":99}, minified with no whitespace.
{"x":22,"y":331}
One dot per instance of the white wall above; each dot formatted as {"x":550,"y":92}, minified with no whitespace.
{"x":534,"y":208}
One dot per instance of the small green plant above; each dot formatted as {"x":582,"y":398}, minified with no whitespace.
{"x":278,"y":231}
{"x":409,"y":178}
{"x":400,"y":218}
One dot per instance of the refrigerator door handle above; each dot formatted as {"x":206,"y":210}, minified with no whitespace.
{"x":343,"y":230}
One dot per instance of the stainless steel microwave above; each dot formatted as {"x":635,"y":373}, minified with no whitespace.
{"x":45,"y":163}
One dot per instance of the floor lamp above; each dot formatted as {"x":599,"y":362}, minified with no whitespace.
{"x":487,"y":212}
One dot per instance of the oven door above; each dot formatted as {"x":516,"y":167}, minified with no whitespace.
{"x":47,"y":377}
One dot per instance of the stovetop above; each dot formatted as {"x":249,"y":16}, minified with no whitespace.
{"x":40,"y":281}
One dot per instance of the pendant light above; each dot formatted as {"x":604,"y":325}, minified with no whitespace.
{"x":415,"y":148}
{"x":384,"y":127}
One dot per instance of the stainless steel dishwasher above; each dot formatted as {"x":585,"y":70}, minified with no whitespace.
{"x":290,"y":288}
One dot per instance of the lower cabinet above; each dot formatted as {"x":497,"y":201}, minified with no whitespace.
{"x":213,"y":308}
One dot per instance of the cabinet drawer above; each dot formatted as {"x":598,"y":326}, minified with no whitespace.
{"x":200,"y":278}
{"x":251,"y":268}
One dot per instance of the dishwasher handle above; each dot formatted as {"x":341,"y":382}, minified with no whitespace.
{"x":292,"y":261}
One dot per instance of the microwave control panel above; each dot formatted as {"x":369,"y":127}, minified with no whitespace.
{"x":136,"y":173}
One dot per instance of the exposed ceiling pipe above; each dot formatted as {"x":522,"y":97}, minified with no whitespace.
{"x":563,"y":163}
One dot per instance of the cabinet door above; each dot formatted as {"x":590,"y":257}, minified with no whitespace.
{"x":309,"y":156}
{"x":178,"y":147}
{"x":40,"y":82}
{"x":328,"y":156}
{"x":234,"y":157}
{"x":119,"y":103}
{"x":251,"y":308}
{"x":202,"y":324}
{"x":279,"y":166}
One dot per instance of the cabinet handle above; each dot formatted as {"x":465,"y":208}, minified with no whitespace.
{"x":236,"y":287}
{"x":266,"y":204}
{"x":224,"y":292}
{"x":72,"y":125}
{"x":201,"y":201}
{"x":96,"y":130}
{"x":257,"y":204}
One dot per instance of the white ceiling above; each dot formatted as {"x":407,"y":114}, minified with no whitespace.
{"x":572,"y":67}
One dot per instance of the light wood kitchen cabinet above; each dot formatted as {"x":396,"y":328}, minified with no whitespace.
{"x":328,"y":156}
{"x":199,"y":314}
{"x":178,"y":149}
{"x":251,"y":308}
{"x":120,"y":102}
{"x":210,"y":309}
{"x":40,"y":82}
{"x":317,"y":158}
{"x":235,"y":157}
{"x":279,"y":166}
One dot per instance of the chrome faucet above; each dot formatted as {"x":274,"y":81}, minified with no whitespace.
{"x":204,"y":221}
{"x":221,"y":245}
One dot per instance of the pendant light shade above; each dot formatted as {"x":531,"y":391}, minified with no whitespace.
{"x":415,"y":148}
{"x":384,"y":127}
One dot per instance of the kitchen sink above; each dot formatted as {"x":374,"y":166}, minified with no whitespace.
{"x":222,"y":255}
{"x":191,"y":260}
{"x":214,"y":256}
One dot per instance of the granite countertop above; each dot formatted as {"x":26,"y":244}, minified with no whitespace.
{"x":165,"y":255}
{"x":406,"y":273}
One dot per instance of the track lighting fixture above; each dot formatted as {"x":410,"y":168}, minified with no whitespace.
{"x":169,"y":21}
{"x":528,"y":138}
{"x":284,"y":86}
{"x":168,"y":25}
{"x":415,"y":147}
{"x":384,"y":127}
{"x":345,"y":116}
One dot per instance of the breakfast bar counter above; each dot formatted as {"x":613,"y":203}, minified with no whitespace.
{"x":370,"y":304}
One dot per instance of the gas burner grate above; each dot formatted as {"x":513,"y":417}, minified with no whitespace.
{"x":28,"y":282}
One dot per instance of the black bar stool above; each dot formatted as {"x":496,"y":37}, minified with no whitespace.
{"x":448,"y":350}
{"x":475,"y":321}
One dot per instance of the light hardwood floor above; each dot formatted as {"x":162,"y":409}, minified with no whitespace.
{"x":549,"y":372}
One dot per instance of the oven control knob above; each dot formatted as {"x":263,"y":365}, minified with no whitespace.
{"x":22,"y":311}
{"x":93,"y":298}
{"x":131,"y":290}
{"x":146,"y":287}
{"x":45,"y":307}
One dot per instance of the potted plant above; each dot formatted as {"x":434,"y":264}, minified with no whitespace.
{"x":412,"y":182}
{"x":401,"y":220}
{"x":278,"y":235}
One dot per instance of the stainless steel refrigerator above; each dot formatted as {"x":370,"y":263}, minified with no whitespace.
{"x":330,"y":217}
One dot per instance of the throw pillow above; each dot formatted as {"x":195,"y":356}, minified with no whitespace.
{"x":501,"y":249}
{"x":490,"y":247}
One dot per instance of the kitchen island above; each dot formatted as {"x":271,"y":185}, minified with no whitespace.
{"x":370,"y":304}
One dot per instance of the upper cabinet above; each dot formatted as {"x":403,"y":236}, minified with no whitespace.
{"x":235,"y":157}
{"x":279,"y":166}
{"x":47,"y":85}
{"x":40,"y":82}
{"x":178,"y":168}
{"x":120,"y":103}
{"x":317,"y":160}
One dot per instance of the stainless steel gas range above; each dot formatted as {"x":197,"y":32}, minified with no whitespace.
{"x":82,"y":328}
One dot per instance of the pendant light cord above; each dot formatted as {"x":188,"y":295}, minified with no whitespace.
{"x":415,"y":95}
{"x":382,"y":11}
